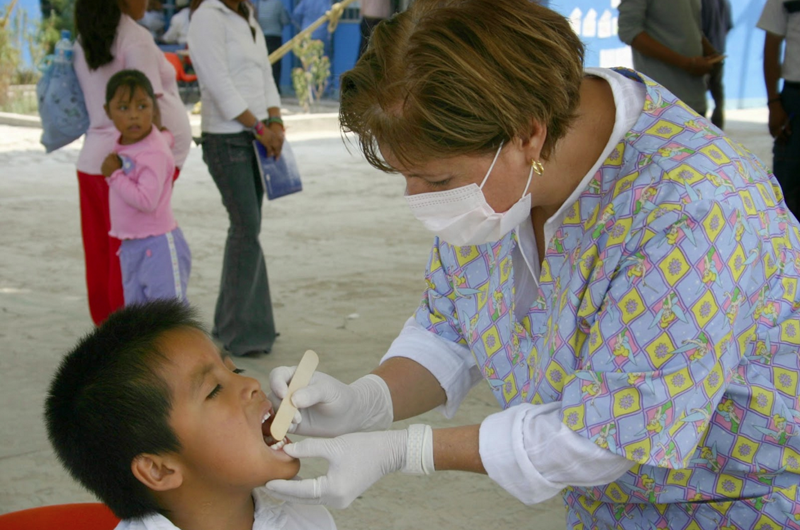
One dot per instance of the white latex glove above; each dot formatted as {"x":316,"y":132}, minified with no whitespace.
{"x":356,"y":462}
{"x":329,"y":407}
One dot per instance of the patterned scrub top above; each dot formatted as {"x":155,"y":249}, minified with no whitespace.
{"x":667,"y":324}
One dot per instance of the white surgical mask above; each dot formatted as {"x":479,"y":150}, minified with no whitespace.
{"x":462,"y":216}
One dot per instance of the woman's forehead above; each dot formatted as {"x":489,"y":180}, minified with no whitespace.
{"x":427,"y":167}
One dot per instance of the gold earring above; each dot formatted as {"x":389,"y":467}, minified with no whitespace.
{"x":538,"y":168}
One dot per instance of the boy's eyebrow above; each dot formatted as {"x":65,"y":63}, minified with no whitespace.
{"x":199,"y":375}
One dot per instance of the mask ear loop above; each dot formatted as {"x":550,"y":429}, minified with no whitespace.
{"x":530,"y":176}
{"x":496,"y":156}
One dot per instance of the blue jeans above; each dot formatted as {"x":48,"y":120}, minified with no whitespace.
{"x":243,"y":319}
{"x":786,"y":154}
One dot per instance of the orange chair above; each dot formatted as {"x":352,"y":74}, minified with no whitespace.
{"x":180,"y":74}
{"x":80,"y":516}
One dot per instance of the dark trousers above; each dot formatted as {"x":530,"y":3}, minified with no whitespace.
{"x":367,"y":25}
{"x":786,"y":153}
{"x":273,"y":43}
{"x":717,"y":90}
{"x":243,"y":319}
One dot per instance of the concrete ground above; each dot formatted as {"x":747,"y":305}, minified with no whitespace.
{"x":345,"y":260}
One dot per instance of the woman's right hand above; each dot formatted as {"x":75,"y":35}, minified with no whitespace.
{"x":700,"y":65}
{"x":272,"y":141}
{"x":330,"y":408}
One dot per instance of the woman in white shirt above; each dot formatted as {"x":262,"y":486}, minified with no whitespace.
{"x":240,"y":103}
{"x":109,"y":41}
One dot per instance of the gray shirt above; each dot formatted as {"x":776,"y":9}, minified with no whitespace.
{"x":272,"y":16}
{"x":675,"y":24}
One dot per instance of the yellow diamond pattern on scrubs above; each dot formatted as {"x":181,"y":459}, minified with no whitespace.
{"x":762,"y":400}
{"x":744,"y":449}
{"x":785,"y":380}
{"x":705,"y":309}
{"x":624,"y":183}
{"x":789,"y":289}
{"x":660,"y":350}
{"x":729,"y":486}
{"x":679,"y":477}
{"x":715,"y":154}
{"x":626,"y":402}
{"x":791,"y":459}
{"x":736,"y":263}
{"x":685,"y":174}
{"x":748,"y":203}
{"x":674,"y":266}
{"x":664,"y":129}
{"x":714,"y":381}
{"x":713,"y":224}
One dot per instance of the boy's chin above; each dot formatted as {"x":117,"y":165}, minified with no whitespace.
{"x":280,"y":471}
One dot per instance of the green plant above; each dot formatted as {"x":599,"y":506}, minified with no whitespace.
{"x":56,"y":15}
{"x":9,"y":54}
{"x":311,"y":79}
{"x":39,"y":38}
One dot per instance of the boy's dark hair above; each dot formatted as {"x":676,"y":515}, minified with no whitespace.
{"x":107,"y":404}
{"x":130,"y":79}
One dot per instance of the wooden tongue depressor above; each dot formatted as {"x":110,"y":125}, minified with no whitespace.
{"x":300,"y":379}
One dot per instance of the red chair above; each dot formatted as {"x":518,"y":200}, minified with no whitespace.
{"x":79,"y":516}
{"x":180,"y":74}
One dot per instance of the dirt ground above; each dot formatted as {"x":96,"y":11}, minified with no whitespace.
{"x":345,"y":260}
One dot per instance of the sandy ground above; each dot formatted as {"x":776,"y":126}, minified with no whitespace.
{"x":345,"y":259}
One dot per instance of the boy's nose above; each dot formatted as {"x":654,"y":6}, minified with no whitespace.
{"x":252,"y":388}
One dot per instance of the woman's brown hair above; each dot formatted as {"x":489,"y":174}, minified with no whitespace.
{"x":456,"y":77}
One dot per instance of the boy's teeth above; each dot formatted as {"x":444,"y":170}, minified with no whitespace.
{"x":266,"y":417}
{"x":278,"y":445}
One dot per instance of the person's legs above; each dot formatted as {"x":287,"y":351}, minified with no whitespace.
{"x":243,"y":317}
{"x":717,"y":90}
{"x":131,"y":254}
{"x":103,"y":276}
{"x":786,"y":154}
{"x":273,"y":43}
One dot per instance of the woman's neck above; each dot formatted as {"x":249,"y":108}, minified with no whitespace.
{"x":579,"y":150}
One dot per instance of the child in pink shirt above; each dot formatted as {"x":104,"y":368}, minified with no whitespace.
{"x":154,"y":257}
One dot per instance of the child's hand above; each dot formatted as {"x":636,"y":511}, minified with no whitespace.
{"x":110,"y":165}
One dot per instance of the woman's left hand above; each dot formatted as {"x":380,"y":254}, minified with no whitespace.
{"x":278,"y":137}
{"x":356,"y":462}
{"x":272,"y":139}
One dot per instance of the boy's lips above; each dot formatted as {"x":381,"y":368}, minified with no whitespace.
{"x":266,"y":424}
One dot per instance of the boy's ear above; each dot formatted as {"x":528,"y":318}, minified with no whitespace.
{"x":157,"y":472}
{"x":105,"y":108}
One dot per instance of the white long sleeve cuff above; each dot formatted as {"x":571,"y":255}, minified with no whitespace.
{"x":531,"y":454}
{"x":450,"y":363}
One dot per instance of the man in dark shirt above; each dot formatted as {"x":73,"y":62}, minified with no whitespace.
{"x":717,"y":22}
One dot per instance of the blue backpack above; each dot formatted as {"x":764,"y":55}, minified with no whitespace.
{"x":61,"y":105}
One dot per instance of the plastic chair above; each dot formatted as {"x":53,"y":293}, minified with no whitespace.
{"x":79,"y":516}
{"x":180,"y":74}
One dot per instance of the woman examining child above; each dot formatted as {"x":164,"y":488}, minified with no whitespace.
{"x":109,"y":40}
